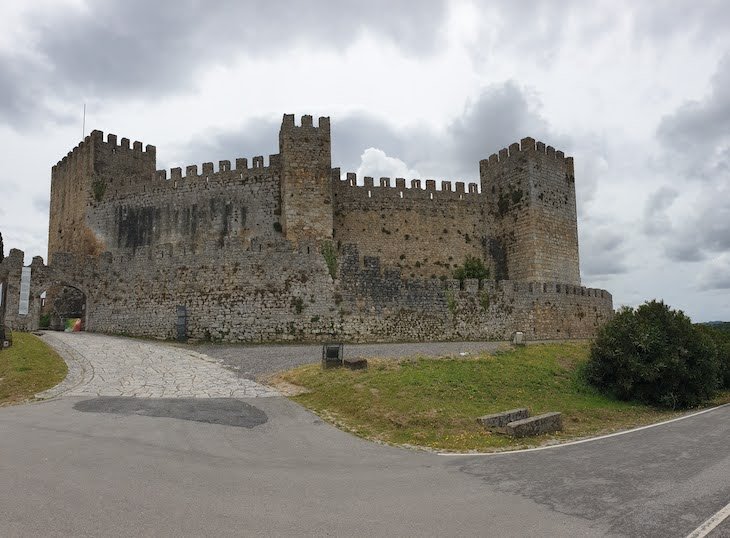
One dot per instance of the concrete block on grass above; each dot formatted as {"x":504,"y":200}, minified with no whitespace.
{"x":500,"y":420}
{"x":547,"y":423}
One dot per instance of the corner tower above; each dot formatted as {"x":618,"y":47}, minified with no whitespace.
{"x":82,"y":180}
{"x":306,"y":188}
{"x":530,"y":199}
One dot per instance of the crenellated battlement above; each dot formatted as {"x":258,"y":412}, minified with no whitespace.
{"x":527,"y":146}
{"x":96,"y":139}
{"x":241,"y":170}
{"x":288,"y":123}
{"x":123,"y":145}
{"x":401,"y":188}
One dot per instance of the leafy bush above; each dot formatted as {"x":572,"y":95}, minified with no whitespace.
{"x":45,"y":321}
{"x":473,"y":268}
{"x":655,"y":355}
{"x":721,"y":337}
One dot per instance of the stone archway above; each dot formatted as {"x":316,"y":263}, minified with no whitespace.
{"x":63,"y":308}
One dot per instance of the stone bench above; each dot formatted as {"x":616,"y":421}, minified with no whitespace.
{"x":547,"y":423}
{"x":500,"y":420}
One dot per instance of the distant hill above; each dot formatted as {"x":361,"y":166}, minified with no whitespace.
{"x":721,"y":325}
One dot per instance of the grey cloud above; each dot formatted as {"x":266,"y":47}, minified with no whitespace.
{"x":357,"y":132}
{"x":716,"y":275}
{"x":656,"y":221}
{"x":684,"y":250}
{"x":602,"y":252}
{"x":158,"y":48}
{"x":702,"y":21}
{"x":707,"y":231}
{"x":697,"y":134}
{"x":499,"y":116}
{"x":41,"y":203}
{"x":535,"y":28}
{"x":257,"y":136}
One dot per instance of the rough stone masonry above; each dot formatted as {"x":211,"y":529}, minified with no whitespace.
{"x":289,"y":248}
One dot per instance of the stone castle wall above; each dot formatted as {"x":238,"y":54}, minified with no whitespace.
{"x":422,"y":231}
{"x":287,"y":250}
{"x":238,"y":299}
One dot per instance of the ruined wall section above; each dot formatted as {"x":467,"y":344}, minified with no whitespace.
{"x":195,"y":211}
{"x":530,"y":198}
{"x":422,"y":231}
{"x":306,"y":191}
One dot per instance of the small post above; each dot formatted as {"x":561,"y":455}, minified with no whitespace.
{"x":181,"y":325}
{"x":332,"y":355}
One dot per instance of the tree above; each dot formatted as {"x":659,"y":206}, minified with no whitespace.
{"x":655,"y":355}
{"x":2,"y":249}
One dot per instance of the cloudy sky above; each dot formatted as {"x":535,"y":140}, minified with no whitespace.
{"x":637,"y":92}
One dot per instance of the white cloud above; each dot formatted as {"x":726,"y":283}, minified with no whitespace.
{"x":376,"y":163}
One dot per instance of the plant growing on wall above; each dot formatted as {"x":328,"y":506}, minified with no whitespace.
{"x":297,"y":304}
{"x":99,"y":188}
{"x":451,"y":303}
{"x":473,"y":267}
{"x":330,"y":257}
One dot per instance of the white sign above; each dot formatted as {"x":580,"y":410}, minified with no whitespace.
{"x":24,"y":292}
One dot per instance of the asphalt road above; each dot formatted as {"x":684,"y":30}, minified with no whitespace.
{"x":256,"y":361}
{"x":111,"y":466}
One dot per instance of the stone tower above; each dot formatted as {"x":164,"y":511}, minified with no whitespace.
{"x":82,"y":180}
{"x":306,"y":188}
{"x":529,"y":192}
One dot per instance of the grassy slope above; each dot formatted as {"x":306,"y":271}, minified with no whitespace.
{"x":435,"y":403}
{"x":28,"y":367}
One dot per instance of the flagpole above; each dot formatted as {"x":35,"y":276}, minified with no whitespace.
{"x":83,"y":124}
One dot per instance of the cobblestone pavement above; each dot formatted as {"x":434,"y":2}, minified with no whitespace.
{"x":109,"y":366}
{"x":255,"y":361}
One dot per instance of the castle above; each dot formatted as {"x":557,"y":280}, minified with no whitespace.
{"x":289,"y":250}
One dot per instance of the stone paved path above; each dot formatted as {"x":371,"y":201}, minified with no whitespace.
{"x":109,"y":366}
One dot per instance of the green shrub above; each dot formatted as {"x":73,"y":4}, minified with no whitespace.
{"x":473,"y":268}
{"x":654,"y":355}
{"x":721,"y":337}
{"x":45,"y":321}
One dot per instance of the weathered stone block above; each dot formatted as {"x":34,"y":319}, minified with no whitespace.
{"x":499,"y":420}
{"x":547,"y":423}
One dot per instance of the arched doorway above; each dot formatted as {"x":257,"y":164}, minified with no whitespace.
{"x":63,"y":308}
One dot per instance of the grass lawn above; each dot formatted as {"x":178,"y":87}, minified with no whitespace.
{"x":435,"y":402}
{"x":28,"y":367}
